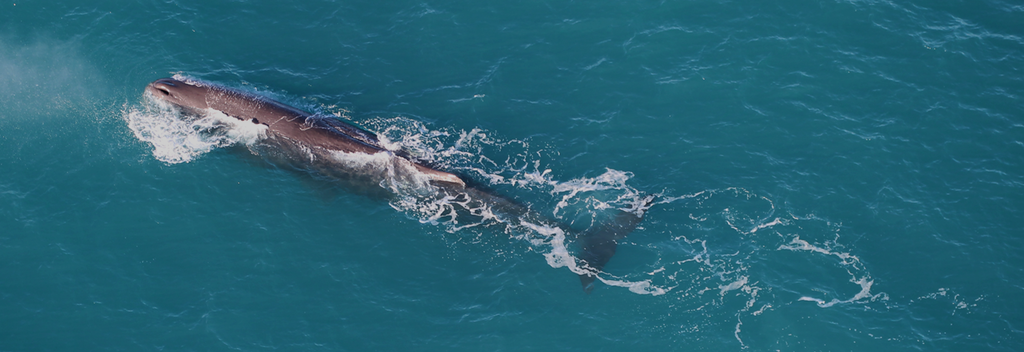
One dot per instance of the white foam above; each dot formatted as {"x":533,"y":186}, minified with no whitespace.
{"x":179,"y":138}
{"x":797,"y":244}
{"x":777,"y":221}
{"x":846,"y":259}
{"x":643,"y":287}
{"x":865,"y":293}
{"x":733,"y":285}
{"x":468,"y":150}
{"x":627,"y":199}
{"x":558,"y":256}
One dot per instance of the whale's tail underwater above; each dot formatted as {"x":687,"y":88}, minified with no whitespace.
{"x":316,"y":141}
{"x":598,"y":243}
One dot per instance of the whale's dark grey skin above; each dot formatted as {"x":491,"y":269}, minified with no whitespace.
{"x":306,"y":137}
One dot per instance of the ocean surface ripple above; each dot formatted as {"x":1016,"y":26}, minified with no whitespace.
{"x":839,"y":175}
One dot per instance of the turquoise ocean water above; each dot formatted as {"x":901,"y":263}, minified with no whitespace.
{"x":830,"y":176}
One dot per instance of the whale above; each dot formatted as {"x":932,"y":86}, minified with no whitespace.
{"x":284,"y":123}
{"x":312,"y":140}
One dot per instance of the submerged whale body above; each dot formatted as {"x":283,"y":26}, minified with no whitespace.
{"x":315,"y":141}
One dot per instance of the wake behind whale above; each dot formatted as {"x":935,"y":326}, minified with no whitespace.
{"x":329,"y":147}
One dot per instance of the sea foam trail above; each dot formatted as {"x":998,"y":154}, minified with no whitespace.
{"x":709,"y":265}
{"x":178,"y":137}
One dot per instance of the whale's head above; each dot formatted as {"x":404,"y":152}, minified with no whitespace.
{"x":180,"y":93}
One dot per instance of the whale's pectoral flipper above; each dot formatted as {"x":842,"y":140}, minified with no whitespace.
{"x":599,"y":242}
